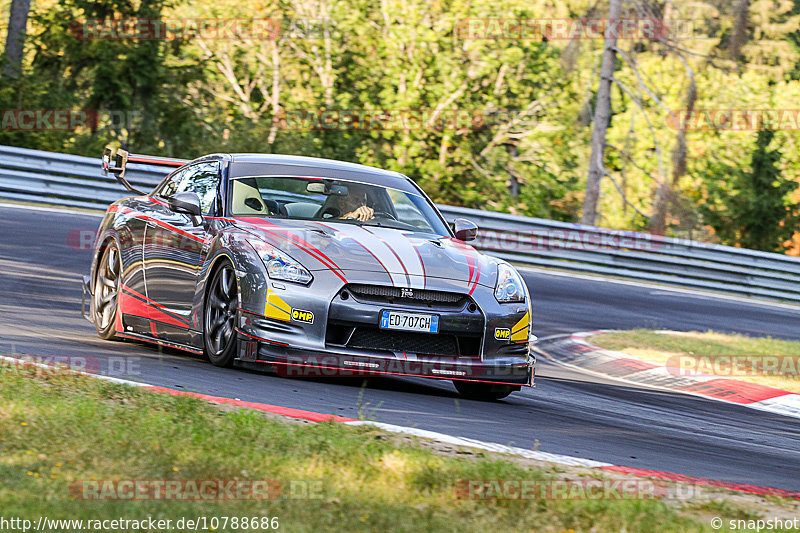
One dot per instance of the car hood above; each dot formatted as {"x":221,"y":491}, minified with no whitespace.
{"x":407,"y":258}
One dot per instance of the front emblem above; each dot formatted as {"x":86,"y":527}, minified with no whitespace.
{"x":406,"y":293}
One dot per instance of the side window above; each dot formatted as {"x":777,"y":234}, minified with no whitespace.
{"x":202,"y":178}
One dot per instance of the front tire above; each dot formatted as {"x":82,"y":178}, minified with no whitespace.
{"x":483,"y":391}
{"x":106,"y":290}
{"x":219,"y":317}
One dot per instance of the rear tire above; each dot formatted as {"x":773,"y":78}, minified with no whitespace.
{"x":219,"y":317}
{"x":105,"y":305}
{"x":483,"y":391}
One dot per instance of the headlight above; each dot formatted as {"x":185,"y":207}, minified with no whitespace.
{"x":510,"y":286}
{"x":280,"y":266}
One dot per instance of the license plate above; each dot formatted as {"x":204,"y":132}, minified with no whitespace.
{"x":410,"y":321}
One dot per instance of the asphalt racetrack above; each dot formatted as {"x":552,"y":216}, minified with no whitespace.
{"x":569,"y":413}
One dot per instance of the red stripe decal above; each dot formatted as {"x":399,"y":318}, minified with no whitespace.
{"x":129,"y":305}
{"x":299,"y":242}
{"x":118,"y":321}
{"x":276,"y":409}
{"x":260,"y":338}
{"x":477,"y":263}
{"x":159,"y":202}
{"x":153,"y":329}
{"x":421,"y":262}
{"x":299,"y":239}
{"x":169,"y":227}
{"x":160,"y":343}
{"x":140,"y":305}
{"x":408,"y":278}
{"x":141,"y":296}
{"x":365,"y":248}
{"x":471,"y":265}
{"x":168,"y":162}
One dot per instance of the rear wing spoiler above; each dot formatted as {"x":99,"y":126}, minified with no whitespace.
{"x":115,"y":162}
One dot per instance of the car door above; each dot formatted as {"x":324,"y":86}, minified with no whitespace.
{"x":174,"y":251}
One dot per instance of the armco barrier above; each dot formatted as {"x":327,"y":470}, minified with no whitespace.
{"x":75,"y":181}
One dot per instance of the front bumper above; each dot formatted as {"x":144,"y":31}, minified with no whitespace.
{"x":294,"y":362}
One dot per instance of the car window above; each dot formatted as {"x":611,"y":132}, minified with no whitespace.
{"x":201,"y":178}
{"x":333,"y":200}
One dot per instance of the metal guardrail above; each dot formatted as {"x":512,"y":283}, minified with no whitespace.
{"x":75,"y":181}
{"x":68,"y":180}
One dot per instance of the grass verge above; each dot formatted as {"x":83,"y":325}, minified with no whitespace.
{"x":58,"y":429}
{"x":767,"y":361}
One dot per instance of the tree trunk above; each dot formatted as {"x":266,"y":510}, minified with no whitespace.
{"x":739,"y":36}
{"x":15,"y":39}
{"x":658,"y":220}
{"x":602,"y":115}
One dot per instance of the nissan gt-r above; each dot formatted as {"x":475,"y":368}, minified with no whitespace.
{"x":305,"y":265}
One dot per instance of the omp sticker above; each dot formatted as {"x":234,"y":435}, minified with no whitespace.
{"x":502,"y":334}
{"x":303,"y":316}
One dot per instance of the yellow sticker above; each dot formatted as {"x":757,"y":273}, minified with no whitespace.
{"x":502,"y":333}
{"x":276,"y":308}
{"x":519,"y":333}
{"x":303,"y":316}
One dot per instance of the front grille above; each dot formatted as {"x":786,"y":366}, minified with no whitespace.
{"x":379,"y":293}
{"x":367,"y":338}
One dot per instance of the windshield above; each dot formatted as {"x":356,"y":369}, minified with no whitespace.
{"x":334,"y":201}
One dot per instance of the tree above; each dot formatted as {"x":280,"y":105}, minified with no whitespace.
{"x":753,"y":210}
{"x":15,"y":39}
{"x":602,"y":116}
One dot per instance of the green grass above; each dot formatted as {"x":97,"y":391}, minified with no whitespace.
{"x":662,"y":347}
{"x":58,"y":429}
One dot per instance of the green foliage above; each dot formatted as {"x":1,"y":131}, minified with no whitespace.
{"x":750,"y":206}
{"x":526,"y":151}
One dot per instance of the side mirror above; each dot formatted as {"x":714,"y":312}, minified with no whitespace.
{"x":465,"y":229}
{"x":187,"y":203}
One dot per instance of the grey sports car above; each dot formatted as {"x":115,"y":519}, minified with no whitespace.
{"x":309,"y":267}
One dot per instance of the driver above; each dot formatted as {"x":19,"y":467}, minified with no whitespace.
{"x":354,"y":205}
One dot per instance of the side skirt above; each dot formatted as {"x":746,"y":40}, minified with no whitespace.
{"x":161,"y":342}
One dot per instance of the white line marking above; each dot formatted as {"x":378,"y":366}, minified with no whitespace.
{"x":489,"y":446}
{"x":706,"y":294}
{"x":51,"y":209}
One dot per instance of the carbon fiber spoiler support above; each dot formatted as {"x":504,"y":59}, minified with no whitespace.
{"x":115,"y":162}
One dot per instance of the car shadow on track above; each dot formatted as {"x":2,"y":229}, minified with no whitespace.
{"x":437,"y":387}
